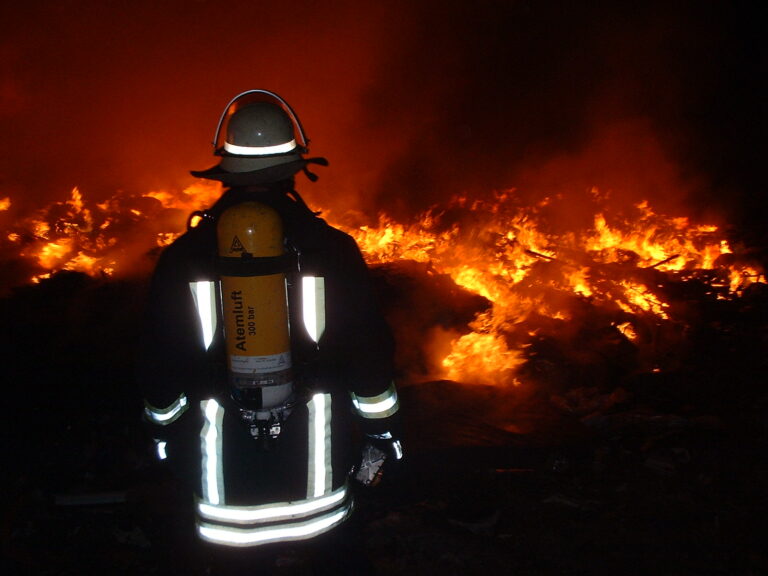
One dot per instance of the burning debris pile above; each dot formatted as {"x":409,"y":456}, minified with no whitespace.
{"x":106,"y":239}
{"x":624,"y":280}
{"x":576,"y":272}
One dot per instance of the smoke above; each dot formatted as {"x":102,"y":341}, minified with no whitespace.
{"x":410,"y":101}
{"x":647,"y":99}
{"x":107,"y":95}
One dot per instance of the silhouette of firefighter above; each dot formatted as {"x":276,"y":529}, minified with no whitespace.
{"x":267,"y":366}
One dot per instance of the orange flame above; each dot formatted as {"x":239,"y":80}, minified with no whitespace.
{"x":105,"y":238}
{"x":527,"y":267}
{"x":500,"y":251}
{"x":483,"y":356}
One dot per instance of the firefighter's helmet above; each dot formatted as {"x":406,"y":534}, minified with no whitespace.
{"x":259,"y":139}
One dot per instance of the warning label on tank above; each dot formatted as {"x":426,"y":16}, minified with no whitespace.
{"x":260,"y":364}
{"x":237,"y":246}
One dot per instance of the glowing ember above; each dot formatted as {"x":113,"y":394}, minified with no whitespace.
{"x":639,"y":298}
{"x":627,"y":330}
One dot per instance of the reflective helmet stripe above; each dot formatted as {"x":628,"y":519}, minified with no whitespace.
{"x":313,"y":305}
{"x":259,"y":150}
{"x":204,"y":294}
{"x":380,"y":406}
{"x":167,"y":415}
{"x":266,"y":534}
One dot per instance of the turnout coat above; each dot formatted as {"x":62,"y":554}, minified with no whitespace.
{"x":246,"y":494}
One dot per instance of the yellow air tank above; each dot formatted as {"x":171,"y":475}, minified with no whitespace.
{"x":255,"y":304}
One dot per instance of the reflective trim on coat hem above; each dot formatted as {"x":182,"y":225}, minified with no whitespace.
{"x":274,"y":512}
{"x":321,"y":510}
{"x":241,"y":537}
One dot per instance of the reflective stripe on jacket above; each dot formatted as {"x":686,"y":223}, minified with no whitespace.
{"x":342,"y":350}
{"x":322,"y":508}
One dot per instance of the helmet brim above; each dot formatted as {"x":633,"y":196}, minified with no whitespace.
{"x":261,"y":176}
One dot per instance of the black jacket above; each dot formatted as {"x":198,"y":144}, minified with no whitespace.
{"x":354,"y":355}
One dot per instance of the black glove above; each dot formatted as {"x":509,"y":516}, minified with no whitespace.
{"x":378,"y":450}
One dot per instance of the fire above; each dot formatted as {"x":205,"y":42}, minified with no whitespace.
{"x":105,"y":238}
{"x":662,"y":242}
{"x":52,"y":253}
{"x":627,"y":330}
{"x":639,"y":298}
{"x":62,"y":238}
{"x":540,"y":278}
{"x":530,"y":270}
{"x":483,"y":356}
{"x":195,"y":197}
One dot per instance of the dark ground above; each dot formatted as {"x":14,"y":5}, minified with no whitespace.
{"x":649,"y":474}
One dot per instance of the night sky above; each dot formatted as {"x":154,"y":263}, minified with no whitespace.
{"x":411,"y":101}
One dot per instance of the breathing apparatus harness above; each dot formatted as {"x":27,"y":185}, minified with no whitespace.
{"x":255,"y":266}
{"x":261,"y":145}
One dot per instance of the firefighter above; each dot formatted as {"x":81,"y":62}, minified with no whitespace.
{"x":265,"y":356}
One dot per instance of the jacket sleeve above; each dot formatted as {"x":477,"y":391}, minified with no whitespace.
{"x":171,"y":362}
{"x":358,"y":344}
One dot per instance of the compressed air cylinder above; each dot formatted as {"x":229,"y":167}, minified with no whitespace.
{"x":255,"y":304}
